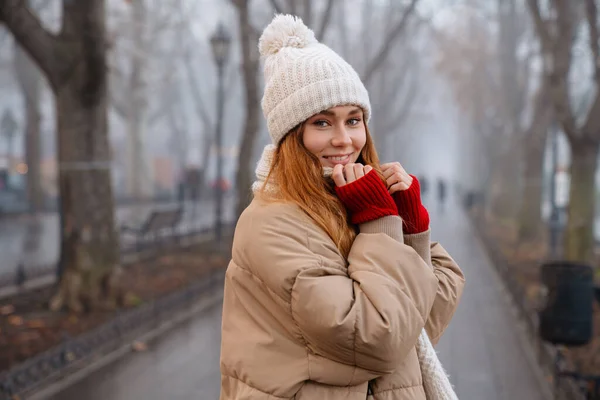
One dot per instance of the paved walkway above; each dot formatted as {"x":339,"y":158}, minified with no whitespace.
{"x":480,"y":349}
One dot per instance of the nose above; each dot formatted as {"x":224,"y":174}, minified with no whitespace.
{"x":341,"y":137}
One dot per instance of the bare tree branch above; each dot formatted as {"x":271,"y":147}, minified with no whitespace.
{"x":592,"y":17}
{"x":342,"y":22}
{"x":292,"y":7}
{"x":276,"y":6}
{"x":540,"y":24}
{"x":325,"y":20}
{"x":307,"y":15}
{"x":388,"y":42}
{"x":28,"y":31}
{"x":200,"y":106}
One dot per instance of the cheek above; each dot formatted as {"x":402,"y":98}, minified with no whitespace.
{"x":314,"y":141}
{"x":359,"y":139}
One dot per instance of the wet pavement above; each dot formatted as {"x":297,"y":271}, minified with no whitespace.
{"x":481,"y":349}
{"x":182,"y":365}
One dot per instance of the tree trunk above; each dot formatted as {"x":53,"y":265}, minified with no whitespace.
{"x":245,"y":170}
{"x":579,"y":238}
{"x":29,"y":78}
{"x":504,"y":180}
{"x":90,"y":239}
{"x":530,"y":216}
{"x":86,"y":198}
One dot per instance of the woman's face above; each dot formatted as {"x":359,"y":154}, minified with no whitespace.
{"x":336,"y":135}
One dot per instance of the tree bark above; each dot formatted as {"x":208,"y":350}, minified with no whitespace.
{"x":504,"y":182}
{"x":29,"y":78}
{"x":579,"y":239}
{"x":250,"y":65}
{"x":530,"y":216}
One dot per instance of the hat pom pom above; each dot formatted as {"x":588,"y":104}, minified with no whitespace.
{"x":285,"y":31}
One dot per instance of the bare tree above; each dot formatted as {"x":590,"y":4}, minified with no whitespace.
{"x":557,"y":34}
{"x":74,"y":62}
{"x":503,"y":96}
{"x":250,"y":68}
{"x":136,"y":55}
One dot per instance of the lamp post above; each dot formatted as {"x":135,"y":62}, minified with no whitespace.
{"x":9,"y":129}
{"x":220,"y":43}
{"x":554,"y":214}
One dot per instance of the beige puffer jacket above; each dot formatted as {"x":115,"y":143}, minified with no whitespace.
{"x":299,"y":322}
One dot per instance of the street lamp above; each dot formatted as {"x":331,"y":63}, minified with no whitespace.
{"x":554,"y":212}
{"x":220,"y":43}
{"x":9,"y":129}
{"x":9,"y":126}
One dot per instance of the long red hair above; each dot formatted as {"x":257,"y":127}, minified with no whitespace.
{"x":299,"y":178}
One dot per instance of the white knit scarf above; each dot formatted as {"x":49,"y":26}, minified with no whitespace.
{"x":435,"y":380}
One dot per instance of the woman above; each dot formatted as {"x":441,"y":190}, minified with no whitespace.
{"x":325,"y":297}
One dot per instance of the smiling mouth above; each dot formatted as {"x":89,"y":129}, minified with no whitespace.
{"x":338,"y":159}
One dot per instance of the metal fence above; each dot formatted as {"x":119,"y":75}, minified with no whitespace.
{"x":132,"y":249}
{"x":76,"y":352}
{"x":550,"y":357}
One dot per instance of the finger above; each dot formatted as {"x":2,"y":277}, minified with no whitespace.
{"x":404,"y":176}
{"x":392,"y":168}
{"x":368,"y":169}
{"x":398,"y":187}
{"x":349,"y":173}
{"x":338,"y":175}
{"x":359,"y":171}
{"x":396,"y":177}
{"x":385,"y":167}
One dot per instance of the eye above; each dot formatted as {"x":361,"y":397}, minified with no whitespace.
{"x":321,"y":123}
{"x":354,"y":121}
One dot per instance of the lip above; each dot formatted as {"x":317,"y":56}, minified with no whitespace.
{"x":335,"y":162}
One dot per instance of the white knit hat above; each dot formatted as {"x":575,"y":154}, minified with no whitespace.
{"x":303,"y":77}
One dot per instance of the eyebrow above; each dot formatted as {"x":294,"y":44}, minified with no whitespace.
{"x":332,"y":114}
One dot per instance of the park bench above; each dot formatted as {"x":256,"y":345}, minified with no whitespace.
{"x":158,"y":224}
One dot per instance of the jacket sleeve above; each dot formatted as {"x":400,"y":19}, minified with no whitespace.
{"x":368,"y":315}
{"x":450,"y":285}
{"x":451,"y":282}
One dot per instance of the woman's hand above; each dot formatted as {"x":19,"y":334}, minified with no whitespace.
{"x":396,"y":177}
{"x":406,"y":191}
{"x":363,"y":193}
{"x":345,"y":174}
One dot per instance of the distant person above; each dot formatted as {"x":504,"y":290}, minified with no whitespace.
{"x":441,"y":193}
{"x":424,"y":185}
{"x":325,"y":298}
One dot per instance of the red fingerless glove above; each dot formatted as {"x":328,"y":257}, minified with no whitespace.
{"x":415,"y":218}
{"x":367,"y":199}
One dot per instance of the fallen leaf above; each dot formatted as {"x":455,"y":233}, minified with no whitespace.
{"x":139,"y":346}
{"x":15,"y":320}
{"x":36,"y":323}
{"x":8,"y":309}
{"x":29,"y":336}
{"x":69,"y":356}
